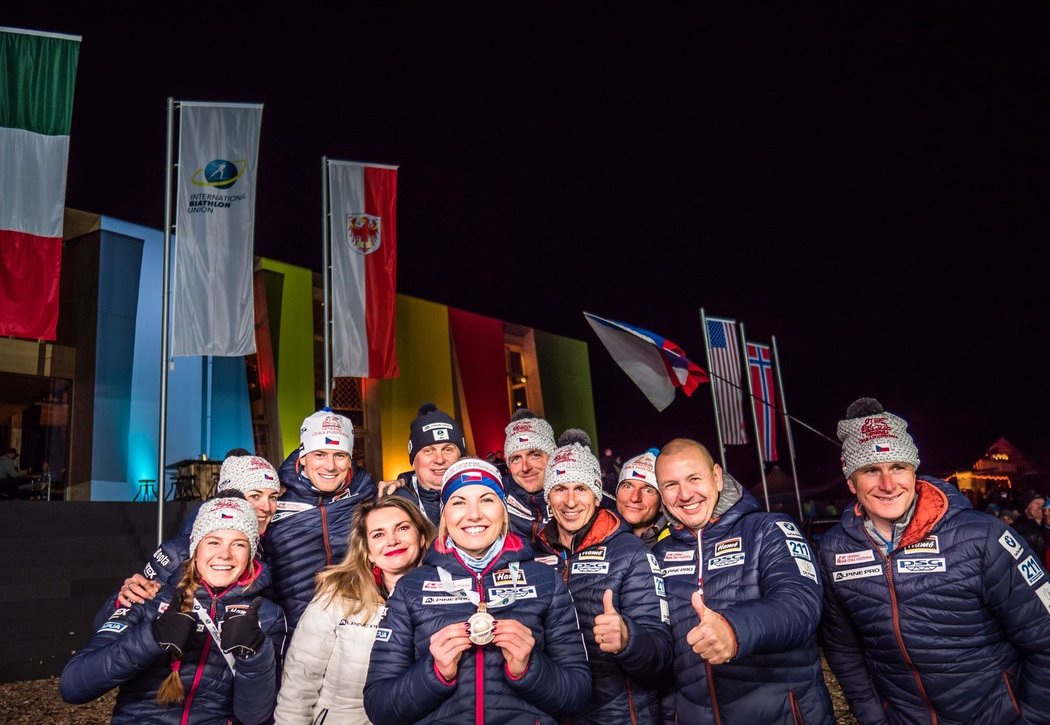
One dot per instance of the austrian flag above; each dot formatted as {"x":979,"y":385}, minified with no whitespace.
{"x":362,"y":206}
{"x":37,"y":74}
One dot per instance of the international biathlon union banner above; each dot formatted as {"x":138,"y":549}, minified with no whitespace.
{"x":211,"y":294}
{"x":363,"y":226}
{"x":37,"y":74}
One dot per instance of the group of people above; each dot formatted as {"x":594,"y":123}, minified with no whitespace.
{"x":457,"y":593}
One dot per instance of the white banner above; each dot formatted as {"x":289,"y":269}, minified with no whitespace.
{"x":211,"y":295}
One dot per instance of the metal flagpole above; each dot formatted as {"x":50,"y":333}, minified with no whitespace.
{"x":754,"y":416}
{"x":714,"y":398}
{"x":326,"y":304}
{"x":164,"y":305}
{"x":787,"y":427}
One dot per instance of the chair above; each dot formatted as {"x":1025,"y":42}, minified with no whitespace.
{"x":147,"y":489}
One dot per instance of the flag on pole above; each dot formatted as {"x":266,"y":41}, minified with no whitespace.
{"x":37,"y":75}
{"x":725,"y":371}
{"x":213,"y":310}
{"x":760,"y":365}
{"x":655,"y":364}
{"x":363,"y":223}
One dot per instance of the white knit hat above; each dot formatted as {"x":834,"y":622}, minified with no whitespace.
{"x":225,"y":512}
{"x":325,"y":430}
{"x":525,"y":432}
{"x":871,"y":435}
{"x":641,"y":468}
{"x":247,"y":473}
{"x":573,"y":462}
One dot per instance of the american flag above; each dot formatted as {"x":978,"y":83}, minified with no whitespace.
{"x":759,"y":363}
{"x":725,"y":377}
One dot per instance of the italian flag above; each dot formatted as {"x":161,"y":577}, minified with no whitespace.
{"x":37,"y":73}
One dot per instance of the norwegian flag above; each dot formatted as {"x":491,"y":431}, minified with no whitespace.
{"x":655,"y":364}
{"x":760,"y":366}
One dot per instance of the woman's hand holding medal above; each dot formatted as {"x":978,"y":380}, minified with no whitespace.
{"x":447,"y":645}
{"x":516,"y":642}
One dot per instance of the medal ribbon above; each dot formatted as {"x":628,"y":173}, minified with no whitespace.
{"x":209,"y":624}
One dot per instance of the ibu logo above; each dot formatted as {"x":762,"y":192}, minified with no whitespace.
{"x":220,"y":173}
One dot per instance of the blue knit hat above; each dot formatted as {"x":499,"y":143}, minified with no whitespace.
{"x":471,"y":472}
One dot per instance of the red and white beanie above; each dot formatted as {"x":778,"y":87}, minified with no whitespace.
{"x":326,"y":431}
{"x":871,"y":435}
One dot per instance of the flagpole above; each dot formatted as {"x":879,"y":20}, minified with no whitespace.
{"x":787,"y":427}
{"x":164,"y":305}
{"x":714,"y":398}
{"x":754,"y":416}
{"x":326,"y":242}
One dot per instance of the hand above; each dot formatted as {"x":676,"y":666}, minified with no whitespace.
{"x":713,"y":639}
{"x":610,"y":631}
{"x":447,"y":645}
{"x":137,"y":589}
{"x":389,"y":488}
{"x":173,"y":628}
{"x":516,"y":641}
{"x":240,"y":632}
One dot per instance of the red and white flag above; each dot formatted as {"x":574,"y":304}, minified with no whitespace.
{"x":760,"y":365}
{"x":362,"y":201}
{"x":37,"y":75}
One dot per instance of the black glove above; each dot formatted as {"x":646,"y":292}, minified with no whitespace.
{"x":172,"y":628}
{"x":240,"y":631}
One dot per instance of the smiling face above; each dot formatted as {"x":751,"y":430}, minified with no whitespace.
{"x":573,"y":505}
{"x":264,"y":501}
{"x":474,"y":517}
{"x":528,"y":468}
{"x":326,"y":469}
{"x":393,"y":542}
{"x":432,"y":461}
{"x":689,"y":485}
{"x":222,"y":556}
{"x":884,"y":491}
{"x":638,"y":503}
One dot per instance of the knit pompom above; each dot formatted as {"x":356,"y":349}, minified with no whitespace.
{"x":574,"y":435}
{"x":863,"y":407}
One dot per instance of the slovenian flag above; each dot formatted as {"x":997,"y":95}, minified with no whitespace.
{"x":36,"y":108}
{"x":654,"y":363}
{"x":362,"y":201}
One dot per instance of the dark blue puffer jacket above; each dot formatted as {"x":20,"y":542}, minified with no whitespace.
{"x":429,"y":501}
{"x":123,"y":652}
{"x":403,"y":685}
{"x":955,"y":621}
{"x":309,"y":532}
{"x":760,"y":574}
{"x":607,"y":555}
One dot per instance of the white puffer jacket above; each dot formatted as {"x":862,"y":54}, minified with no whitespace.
{"x":327,"y":663}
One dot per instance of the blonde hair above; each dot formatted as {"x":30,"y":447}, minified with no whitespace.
{"x":353,"y":578}
{"x":171,"y":691}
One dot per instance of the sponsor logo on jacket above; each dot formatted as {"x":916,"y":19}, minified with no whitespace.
{"x":724,"y":562}
{"x":590,"y":567}
{"x":162,"y":558}
{"x":859,"y":573}
{"x":1030,"y":570}
{"x":929,"y":545}
{"x":728,"y":546}
{"x":790,"y":530}
{"x":920,"y":566}
{"x":686,"y":555}
{"x":854,"y":557}
{"x":679,"y":570}
{"x":798,"y":549}
{"x":1009,"y":542}
{"x":595,"y":554}
{"x":506,"y":576}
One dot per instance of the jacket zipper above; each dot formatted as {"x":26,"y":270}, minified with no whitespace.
{"x":630,"y":701}
{"x":324,"y":532}
{"x":200,"y":670}
{"x":900,"y":638}
{"x":711,"y":693}
{"x":479,"y":665}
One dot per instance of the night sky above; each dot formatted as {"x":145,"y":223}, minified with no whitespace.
{"x":868,"y":184}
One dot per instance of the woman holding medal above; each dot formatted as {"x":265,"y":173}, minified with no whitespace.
{"x":480,"y":632}
{"x":203,"y":651}
{"x":324,"y":673}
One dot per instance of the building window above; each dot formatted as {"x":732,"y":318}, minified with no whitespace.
{"x":523,"y":375}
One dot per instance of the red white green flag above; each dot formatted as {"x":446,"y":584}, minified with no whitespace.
{"x":37,"y":74}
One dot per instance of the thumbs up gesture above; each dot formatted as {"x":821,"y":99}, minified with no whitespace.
{"x":610,"y":632}
{"x":713,"y":638}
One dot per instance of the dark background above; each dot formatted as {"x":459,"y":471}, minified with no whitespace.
{"x":866,"y":182}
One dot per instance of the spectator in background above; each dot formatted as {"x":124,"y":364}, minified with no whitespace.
{"x":11,"y":476}
{"x":1029,"y":523}
{"x":933,"y":612}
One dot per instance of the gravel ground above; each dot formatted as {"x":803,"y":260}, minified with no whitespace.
{"x":37,"y":701}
